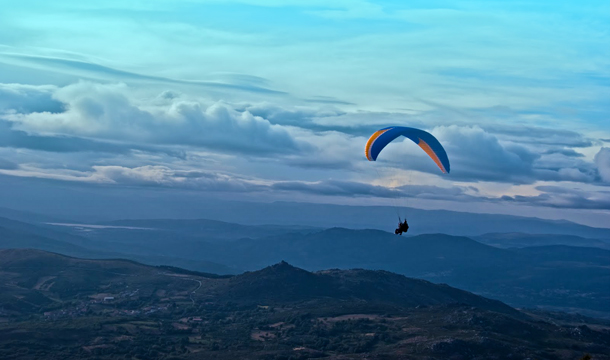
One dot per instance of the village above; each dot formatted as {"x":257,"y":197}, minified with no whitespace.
{"x":125,"y":303}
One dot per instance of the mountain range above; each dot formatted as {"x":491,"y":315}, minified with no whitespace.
{"x":104,"y":309}
{"x":562,"y":272}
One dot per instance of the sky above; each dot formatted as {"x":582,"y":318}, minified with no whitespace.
{"x":269,"y":100}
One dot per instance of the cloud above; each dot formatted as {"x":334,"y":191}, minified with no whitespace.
{"x":146,"y":176}
{"x":566,"y":198}
{"x":69,"y":144}
{"x":213,"y":181}
{"x":7,"y":165}
{"x":328,"y":100}
{"x":477,"y":155}
{"x":162,"y":176}
{"x":328,"y":150}
{"x":559,"y":166}
{"x":110,"y":118}
{"x":303,"y":117}
{"x":227,"y":82}
{"x":539,"y":136}
{"x":27,"y":99}
{"x":336,"y":188}
{"x":602,"y":161}
{"x":108,"y":112}
{"x":564,"y":152}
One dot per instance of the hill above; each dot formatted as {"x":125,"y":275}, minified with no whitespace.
{"x":33,"y":270}
{"x":372,"y":249}
{"x":54,"y":305}
{"x":12,"y":239}
{"x":27,"y":216}
{"x":520,"y":240}
{"x":21,"y":235}
{"x":526,"y":277}
{"x":282,"y":283}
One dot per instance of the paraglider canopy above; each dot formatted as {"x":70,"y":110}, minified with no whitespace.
{"x":425,"y":140}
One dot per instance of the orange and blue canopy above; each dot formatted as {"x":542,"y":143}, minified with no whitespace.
{"x":424,"y":139}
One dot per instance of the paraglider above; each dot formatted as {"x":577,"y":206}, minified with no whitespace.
{"x":381,"y":138}
{"x":425,"y":140}
{"x":402,"y":227}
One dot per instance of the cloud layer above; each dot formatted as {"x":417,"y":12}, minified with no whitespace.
{"x":117,"y":127}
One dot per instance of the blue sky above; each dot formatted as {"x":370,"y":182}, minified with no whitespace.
{"x":274,"y":100}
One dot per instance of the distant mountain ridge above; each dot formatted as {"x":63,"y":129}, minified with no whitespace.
{"x":27,"y":216}
{"x":520,"y":240}
{"x":327,"y":216}
{"x":20,"y":235}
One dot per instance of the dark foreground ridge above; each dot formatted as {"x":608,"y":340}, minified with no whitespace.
{"x":47,"y":275}
{"x":283,"y":283}
{"x":54,"y":306}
